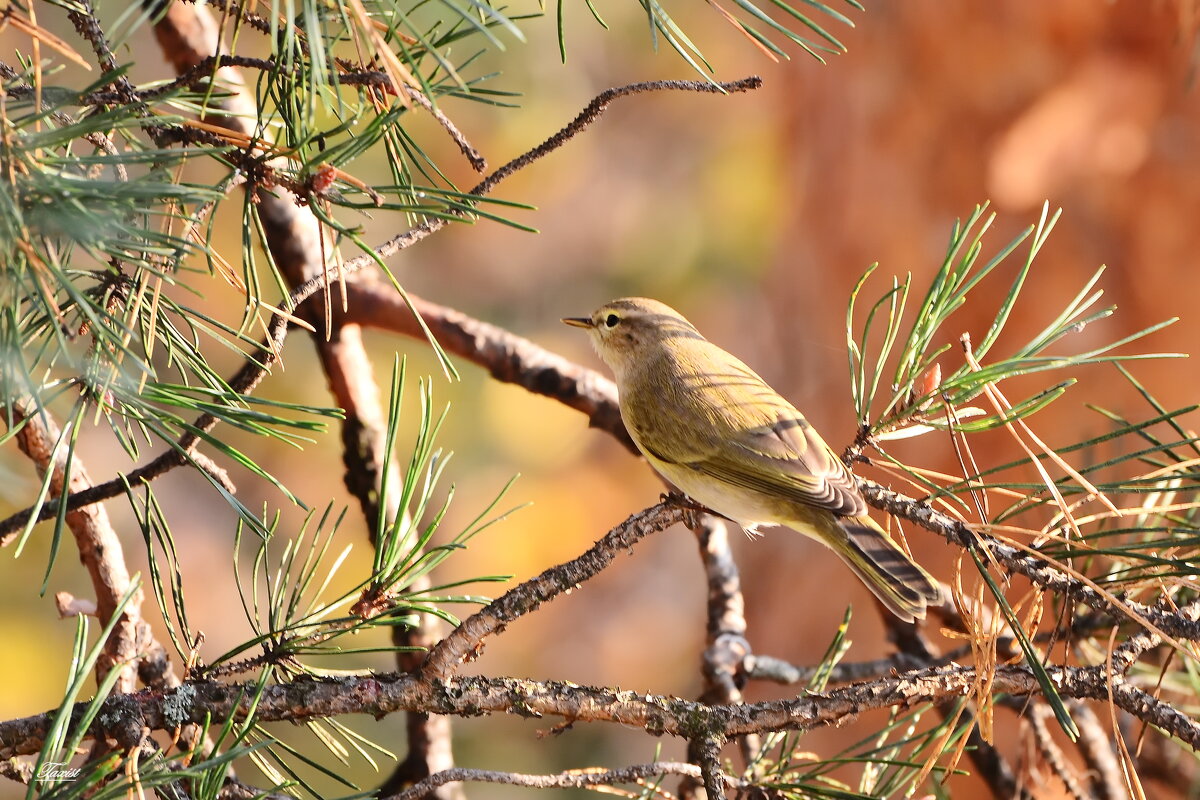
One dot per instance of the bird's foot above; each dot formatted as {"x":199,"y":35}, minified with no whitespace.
{"x":675,"y":497}
{"x":691,"y":509}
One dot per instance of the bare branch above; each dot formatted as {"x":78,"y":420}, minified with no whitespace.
{"x":590,"y":114}
{"x":1182,"y":626}
{"x":1052,"y":753}
{"x":708,"y":755}
{"x":776,"y":670}
{"x":727,"y":646}
{"x":387,"y":693}
{"x":257,"y":366}
{"x":99,"y":547}
{"x":214,"y":471}
{"x":573,"y":779}
{"x":466,"y":641}
{"x":1096,"y":746}
{"x":507,"y":357}
{"x":196,"y":76}
{"x":293,"y":235}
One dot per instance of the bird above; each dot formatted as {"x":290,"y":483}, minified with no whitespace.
{"x":713,"y":428}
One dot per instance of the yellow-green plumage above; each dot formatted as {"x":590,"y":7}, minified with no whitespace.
{"x":716,"y":430}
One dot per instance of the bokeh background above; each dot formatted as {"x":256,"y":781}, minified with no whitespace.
{"x":754,"y":215}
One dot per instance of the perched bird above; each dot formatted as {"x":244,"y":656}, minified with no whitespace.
{"x":712,"y":427}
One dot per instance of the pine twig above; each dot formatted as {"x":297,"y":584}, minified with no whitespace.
{"x":726,"y":647}
{"x":256,"y":367}
{"x":1053,"y":754}
{"x":1096,"y":745}
{"x":466,"y":641}
{"x":386,"y":693}
{"x":708,"y":758}
{"x":638,"y":774}
{"x":99,"y":547}
{"x":590,"y":114}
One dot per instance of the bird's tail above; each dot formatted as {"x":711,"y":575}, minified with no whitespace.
{"x":898,"y":582}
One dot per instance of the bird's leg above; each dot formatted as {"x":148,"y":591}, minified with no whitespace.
{"x":692,"y":510}
{"x":675,"y":497}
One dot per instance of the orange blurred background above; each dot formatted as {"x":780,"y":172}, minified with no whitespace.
{"x":754,"y":215}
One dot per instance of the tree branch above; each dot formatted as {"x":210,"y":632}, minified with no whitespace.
{"x":387,"y":693}
{"x":294,"y":237}
{"x":466,"y":641}
{"x":708,"y":756}
{"x":727,"y":647}
{"x":1179,"y":625}
{"x":1096,"y":746}
{"x":507,"y":357}
{"x":1052,"y":753}
{"x":100,"y":549}
{"x":590,"y":114}
{"x":574,"y":779}
{"x":257,"y":366}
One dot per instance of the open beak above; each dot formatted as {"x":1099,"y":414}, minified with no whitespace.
{"x":577,"y":322}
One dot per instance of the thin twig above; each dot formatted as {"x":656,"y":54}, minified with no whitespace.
{"x":572,"y":779}
{"x":256,"y":367}
{"x":233,"y":789}
{"x":1097,"y":749}
{"x":466,"y":641}
{"x":726,"y":647}
{"x":1052,"y":753}
{"x":590,"y":114}
{"x":195,"y":76}
{"x":476,"y":159}
{"x":214,"y":471}
{"x":776,"y":670}
{"x":98,"y":139}
{"x":1036,"y":570}
{"x":87,"y":25}
{"x":99,"y":547}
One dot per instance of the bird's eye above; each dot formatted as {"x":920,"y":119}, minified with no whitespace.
{"x":611,"y":320}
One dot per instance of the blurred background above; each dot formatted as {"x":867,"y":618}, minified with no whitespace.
{"x":754,"y":215}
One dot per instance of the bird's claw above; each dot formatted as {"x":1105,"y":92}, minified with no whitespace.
{"x":692,"y":510}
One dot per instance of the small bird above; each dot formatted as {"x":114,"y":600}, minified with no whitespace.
{"x":713,"y":428}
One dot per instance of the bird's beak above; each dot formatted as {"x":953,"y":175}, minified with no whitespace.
{"x":577,"y":322}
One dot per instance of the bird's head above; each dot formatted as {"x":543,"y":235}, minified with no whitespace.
{"x":629,"y":330}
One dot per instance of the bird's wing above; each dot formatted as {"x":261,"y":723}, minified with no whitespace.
{"x":762,"y":444}
{"x":787,"y":458}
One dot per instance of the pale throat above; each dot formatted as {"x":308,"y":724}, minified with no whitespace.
{"x":619,"y":363}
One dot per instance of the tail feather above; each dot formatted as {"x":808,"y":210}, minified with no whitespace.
{"x":898,"y":582}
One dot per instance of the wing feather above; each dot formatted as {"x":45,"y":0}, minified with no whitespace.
{"x":745,"y":434}
{"x":788,"y":458}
